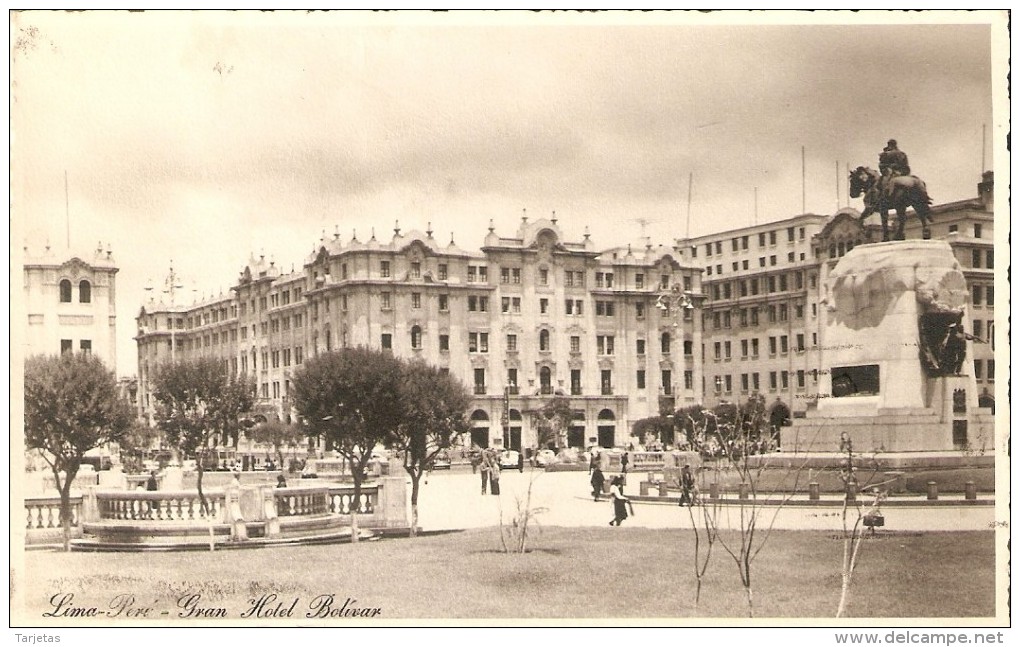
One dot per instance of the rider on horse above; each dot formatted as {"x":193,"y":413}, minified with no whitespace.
{"x":892,"y":163}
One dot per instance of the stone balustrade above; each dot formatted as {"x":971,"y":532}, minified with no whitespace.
{"x":341,"y":499}
{"x":43,"y":512}
{"x":231,"y":513}
{"x":182,"y":505}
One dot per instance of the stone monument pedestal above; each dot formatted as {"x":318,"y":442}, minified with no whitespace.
{"x":892,"y":379}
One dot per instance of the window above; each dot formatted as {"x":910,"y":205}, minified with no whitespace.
{"x":754,"y":347}
{"x":515,"y":305}
{"x":478,"y":342}
{"x":479,"y":381}
{"x":991,"y":370}
{"x":664,"y":343}
{"x":543,"y":276}
{"x":953,"y":228}
{"x":990,"y":295}
{"x":511,"y":381}
{"x":416,"y":300}
{"x":85,"y":345}
{"x":789,"y":234}
{"x":641,"y":379}
{"x":800,"y":379}
{"x":744,"y":382}
{"x":575,"y":382}
{"x":65,"y":291}
{"x":727,"y":346}
{"x":977,"y":230}
{"x":286,"y":357}
{"x":444,"y":343}
{"x":574,"y":278}
{"x":604,"y":344}
{"x":639,"y":310}
{"x":504,"y":275}
{"x":639,"y":281}
{"x":989,"y":259}
{"x":688,"y":380}
{"x":755,"y":384}
{"x":800,"y":341}
{"x":444,"y":271}
{"x":773,"y":382}
{"x":84,"y":292}
{"x":772,"y":238}
{"x":729,"y":383}
{"x":664,"y":280}
{"x":978,"y":369}
{"x":641,"y":347}
{"x":735,"y":244}
{"x":977,"y":290}
{"x":772,"y":345}
{"x":607,"y":382}
{"x":444,"y":302}
{"x":511,"y":343}
{"x":543,"y":306}
{"x":688,"y":347}
{"x":761,"y":239}
{"x":708,"y":249}
{"x":416,"y":337}
{"x":718,"y":247}
{"x":743,"y":348}
{"x":975,"y":258}
{"x":575,"y":344}
{"x":718,"y":350}
{"x":605,"y":308}
{"x":505,"y":305}
{"x":761,"y":261}
{"x":772,"y":259}
{"x":385,"y":299}
{"x":478,"y":304}
{"x":785,"y":375}
{"x":387,"y":341}
{"x":784,"y":344}
{"x":343,"y":272}
{"x":718,"y":269}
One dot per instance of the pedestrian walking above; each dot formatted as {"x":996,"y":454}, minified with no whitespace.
{"x":484,"y":466}
{"x":598,"y":481}
{"x":625,"y":461}
{"x":686,"y":485}
{"x":520,"y":462}
{"x":494,"y":477}
{"x":593,"y":463}
{"x":620,"y":502}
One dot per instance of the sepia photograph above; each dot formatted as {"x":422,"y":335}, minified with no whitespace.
{"x":510,"y":319}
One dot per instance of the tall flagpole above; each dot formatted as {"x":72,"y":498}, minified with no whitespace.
{"x":803,"y":181}
{"x":67,"y":211}
{"x":690,"y":185}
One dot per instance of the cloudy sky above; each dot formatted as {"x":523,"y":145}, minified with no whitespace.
{"x":201,"y":139}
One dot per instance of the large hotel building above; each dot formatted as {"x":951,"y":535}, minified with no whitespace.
{"x":532,"y":316}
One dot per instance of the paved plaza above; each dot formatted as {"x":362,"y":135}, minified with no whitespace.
{"x":453,"y":500}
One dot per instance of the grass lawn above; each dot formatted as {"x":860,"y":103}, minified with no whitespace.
{"x":572,"y":573}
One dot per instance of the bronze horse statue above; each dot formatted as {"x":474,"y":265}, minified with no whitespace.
{"x":903,"y":191}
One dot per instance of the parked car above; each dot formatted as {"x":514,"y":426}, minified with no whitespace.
{"x":545,"y":457}
{"x":441,"y":461}
{"x":509,"y":459}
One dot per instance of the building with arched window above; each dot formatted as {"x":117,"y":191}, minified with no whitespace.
{"x":70,"y":301}
{"x":527,"y":318}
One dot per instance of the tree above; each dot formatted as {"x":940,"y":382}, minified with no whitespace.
{"x":196,"y":400}
{"x":71,"y":406}
{"x":653,"y":429}
{"x":350,"y":397}
{"x":276,"y":434}
{"x":552,"y":420}
{"x":853,"y":532}
{"x":135,"y":444}
{"x":432,"y":415}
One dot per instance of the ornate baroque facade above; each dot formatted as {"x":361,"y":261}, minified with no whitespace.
{"x":524,"y":319}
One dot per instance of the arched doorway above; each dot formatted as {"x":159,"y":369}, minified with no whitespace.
{"x":480,"y":428}
{"x":607,"y":428}
{"x":575,"y":435}
{"x":515,"y":430}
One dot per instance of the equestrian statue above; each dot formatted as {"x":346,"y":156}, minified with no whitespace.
{"x":892,"y":187}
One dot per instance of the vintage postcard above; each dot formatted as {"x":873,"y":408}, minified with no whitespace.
{"x":331,"y":319}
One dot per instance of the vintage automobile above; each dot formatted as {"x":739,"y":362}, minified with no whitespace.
{"x":545,"y":457}
{"x":509,"y":459}
{"x":441,"y":461}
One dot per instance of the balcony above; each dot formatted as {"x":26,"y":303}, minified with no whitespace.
{"x":479,"y":389}
{"x":607,"y":389}
{"x":513,"y":390}
{"x":546,"y":389}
